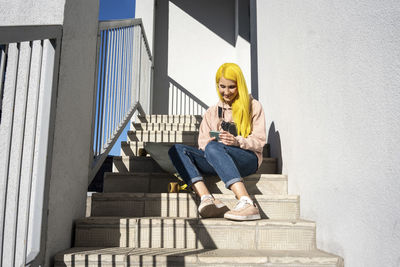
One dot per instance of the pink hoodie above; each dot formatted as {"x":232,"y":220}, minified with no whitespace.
{"x":254,"y":142}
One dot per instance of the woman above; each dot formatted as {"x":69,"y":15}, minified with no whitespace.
{"x":238,"y":152}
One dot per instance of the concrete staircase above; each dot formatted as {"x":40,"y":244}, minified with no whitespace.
{"x":135,"y":222}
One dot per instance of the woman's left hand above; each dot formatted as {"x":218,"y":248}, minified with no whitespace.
{"x":228,"y":139}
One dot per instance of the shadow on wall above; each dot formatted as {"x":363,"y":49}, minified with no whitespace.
{"x":274,"y":139}
{"x":219,"y":17}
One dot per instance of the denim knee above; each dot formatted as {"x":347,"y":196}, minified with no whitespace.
{"x":213,"y":147}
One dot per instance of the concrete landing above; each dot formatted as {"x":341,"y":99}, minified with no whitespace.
{"x":164,"y":257}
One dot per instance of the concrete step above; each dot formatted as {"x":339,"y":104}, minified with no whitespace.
{"x":164,"y":126}
{"x":194,"y":119}
{"x":185,"y":205}
{"x":163,"y":136}
{"x":166,"y":257}
{"x":256,"y":184}
{"x":133,"y":148}
{"x":159,"y":232}
{"x":124,"y":164}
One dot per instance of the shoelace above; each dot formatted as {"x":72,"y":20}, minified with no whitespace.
{"x":241,"y":204}
{"x":206,"y":198}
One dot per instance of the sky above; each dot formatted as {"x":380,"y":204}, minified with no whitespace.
{"x":117,"y":9}
{"x":111,"y":10}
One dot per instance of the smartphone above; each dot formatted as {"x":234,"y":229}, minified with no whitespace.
{"x":214,"y":134}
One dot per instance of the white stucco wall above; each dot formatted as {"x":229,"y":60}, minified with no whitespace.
{"x":329,"y":81}
{"x":145,"y":11}
{"x":31,"y":12}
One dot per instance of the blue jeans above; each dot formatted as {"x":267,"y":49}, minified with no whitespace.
{"x":230,"y":163}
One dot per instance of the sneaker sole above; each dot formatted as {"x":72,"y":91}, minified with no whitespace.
{"x":242,"y":218}
{"x":213,"y":211}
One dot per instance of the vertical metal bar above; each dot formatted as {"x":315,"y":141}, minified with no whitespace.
{"x":2,"y":71}
{"x":116,"y":73}
{"x":103,"y":102}
{"x":125,"y":71}
{"x":121,"y":91}
{"x":140,"y":77}
{"x":138,"y":53}
{"x":43,"y":147}
{"x":101,"y":91}
{"x":107,"y":86}
{"x":128,"y":53}
{"x":17,"y":140}
{"x":98,"y":94}
{"x":185,"y":102}
{"x":130,"y":66}
{"x":118,"y":81}
{"x":134,"y":67}
{"x":181,"y":101}
{"x":129,"y":71}
{"x":137,"y":62}
{"x":177,"y":100}
{"x":28,"y":153}
{"x":115,"y":84}
{"x":173,"y":99}
{"x":170,"y":101}
{"x":148,"y":72}
{"x":6,"y":127}
{"x":122,"y":105}
{"x":112,"y":82}
{"x":116,"y":69}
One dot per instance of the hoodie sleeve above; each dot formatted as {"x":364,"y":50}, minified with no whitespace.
{"x":204,"y":131}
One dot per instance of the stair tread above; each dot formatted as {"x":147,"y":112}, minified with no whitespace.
{"x":269,"y":159}
{"x":108,"y":220}
{"x":129,"y":196}
{"x":255,"y":176}
{"x":199,"y":255}
{"x":185,"y":204}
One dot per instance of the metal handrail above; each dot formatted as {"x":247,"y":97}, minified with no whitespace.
{"x":113,"y":24}
{"x":123,"y":81}
{"x":183,"y":102}
{"x":30,"y":63}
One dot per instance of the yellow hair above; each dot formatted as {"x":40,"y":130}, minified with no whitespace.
{"x":241,"y":105}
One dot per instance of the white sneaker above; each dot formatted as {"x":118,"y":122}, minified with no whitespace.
{"x":245,"y":210}
{"x":212,"y":208}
